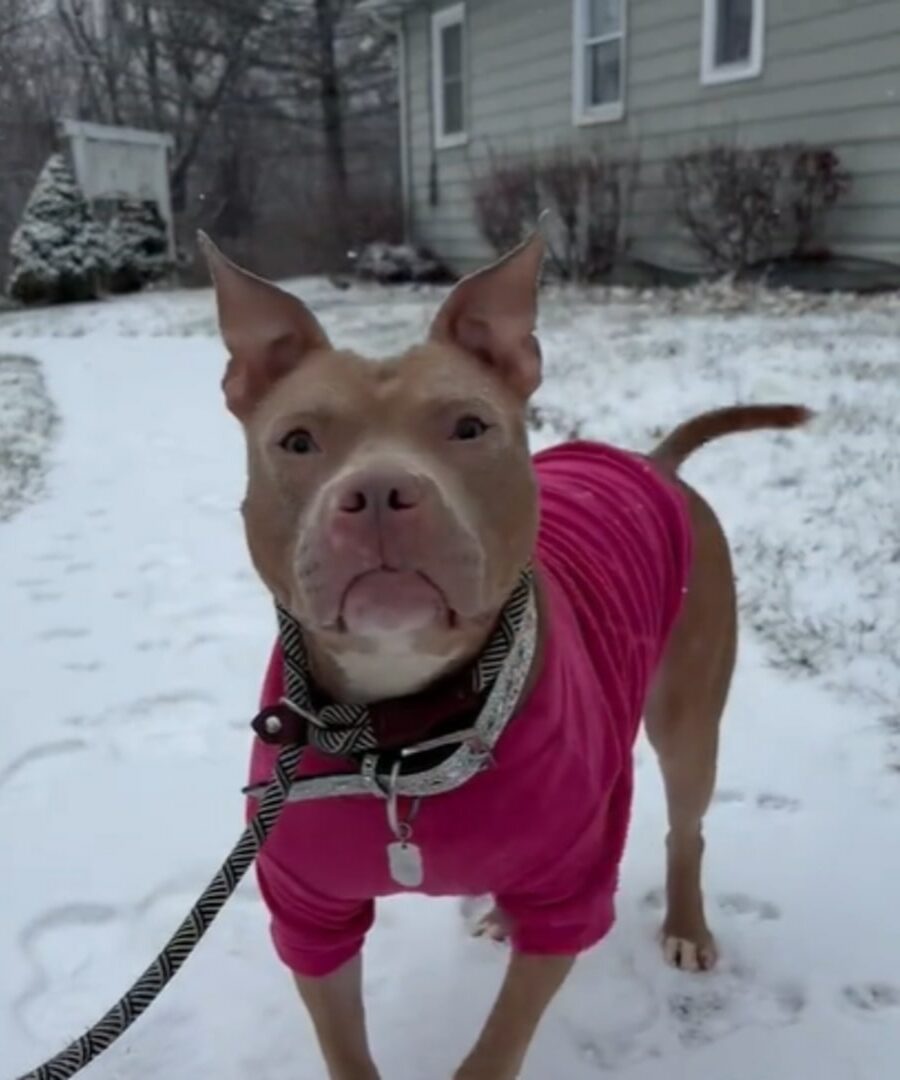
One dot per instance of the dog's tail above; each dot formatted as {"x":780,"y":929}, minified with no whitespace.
{"x":691,"y":435}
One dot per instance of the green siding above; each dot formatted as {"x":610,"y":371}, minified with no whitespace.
{"x":831,"y":74}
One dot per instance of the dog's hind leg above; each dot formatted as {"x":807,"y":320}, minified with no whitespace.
{"x":682,"y":719}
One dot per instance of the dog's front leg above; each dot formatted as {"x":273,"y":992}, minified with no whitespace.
{"x":530,"y":985}
{"x":335,"y":1005}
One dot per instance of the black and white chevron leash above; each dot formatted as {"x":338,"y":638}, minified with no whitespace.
{"x":182,"y":943}
{"x":340,"y":729}
{"x":335,"y":729}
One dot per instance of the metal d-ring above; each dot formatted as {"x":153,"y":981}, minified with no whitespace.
{"x":401,"y":829}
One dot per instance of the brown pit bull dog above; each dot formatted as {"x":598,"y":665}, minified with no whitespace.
{"x":469,"y":638}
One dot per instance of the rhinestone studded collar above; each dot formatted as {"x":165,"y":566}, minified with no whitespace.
{"x":352,"y":732}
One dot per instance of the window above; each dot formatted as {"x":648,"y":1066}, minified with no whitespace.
{"x":733,"y":34}
{"x":448,"y":65}
{"x":599,"y":67}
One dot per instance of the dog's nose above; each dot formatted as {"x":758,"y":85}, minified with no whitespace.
{"x":393,"y":492}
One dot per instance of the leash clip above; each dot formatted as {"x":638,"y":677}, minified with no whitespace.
{"x":283,"y":724}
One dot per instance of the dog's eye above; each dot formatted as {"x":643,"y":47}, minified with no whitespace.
{"x":468,"y":428}
{"x":299,"y":441}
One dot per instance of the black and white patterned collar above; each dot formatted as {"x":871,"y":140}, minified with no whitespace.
{"x":342,"y":730}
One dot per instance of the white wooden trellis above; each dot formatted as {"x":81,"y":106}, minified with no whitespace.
{"x":123,"y":163}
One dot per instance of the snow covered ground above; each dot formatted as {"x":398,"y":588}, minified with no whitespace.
{"x":132,"y":641}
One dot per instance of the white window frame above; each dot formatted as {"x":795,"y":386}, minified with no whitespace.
{"x":583,"y":112}
{"x":455,"y":15}
{"x":712,"y":74}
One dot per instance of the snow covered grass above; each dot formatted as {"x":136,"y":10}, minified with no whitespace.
{"x":27,"y":423}
{"x":133,"y":641}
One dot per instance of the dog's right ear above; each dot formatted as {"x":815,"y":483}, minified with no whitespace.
{"x":267,"y":331}
{"x":492,"y":314}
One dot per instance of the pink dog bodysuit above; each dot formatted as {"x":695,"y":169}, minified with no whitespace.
{"x":543,"y":830}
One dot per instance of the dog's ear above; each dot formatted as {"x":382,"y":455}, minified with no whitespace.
{"x":493,"y":312}
{"x":267,"y":331}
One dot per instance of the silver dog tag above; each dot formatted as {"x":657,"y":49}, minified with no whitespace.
{"x":404,"y":857}
{"x":405,"y":864}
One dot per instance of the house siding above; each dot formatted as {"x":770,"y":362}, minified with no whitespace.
{"x":831,"y":75}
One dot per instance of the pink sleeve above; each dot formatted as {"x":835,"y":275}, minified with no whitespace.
{"x":314,"y":935}
{"x":571,"y":907}
{"x":564,"y":918}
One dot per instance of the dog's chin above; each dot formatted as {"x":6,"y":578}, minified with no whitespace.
{"x":395,"y":603}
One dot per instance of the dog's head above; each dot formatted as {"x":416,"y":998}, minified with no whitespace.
{"x":391,"y":504}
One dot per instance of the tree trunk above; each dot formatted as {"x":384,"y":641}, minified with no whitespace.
{"x":152,"y":64}
{"x":330,"y":100}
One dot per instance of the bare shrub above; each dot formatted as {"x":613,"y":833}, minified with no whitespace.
{"x":561,"y":183}
{"x":590,"y":194}
{"x":609,"y":190}
{"x":744,"y":206}
{"x":818,"y":181}
{"x":728,"y":199}
{"x":506,"y":201}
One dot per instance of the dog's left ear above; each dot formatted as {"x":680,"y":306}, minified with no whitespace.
{"x":266,"y":330}
{"x":493,"y":314}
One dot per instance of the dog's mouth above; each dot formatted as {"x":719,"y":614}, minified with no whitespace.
{"x":384,"y":601}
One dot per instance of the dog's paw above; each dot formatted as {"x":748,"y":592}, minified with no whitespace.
{"x":694,"y":954}
{"x":493,"y":925}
